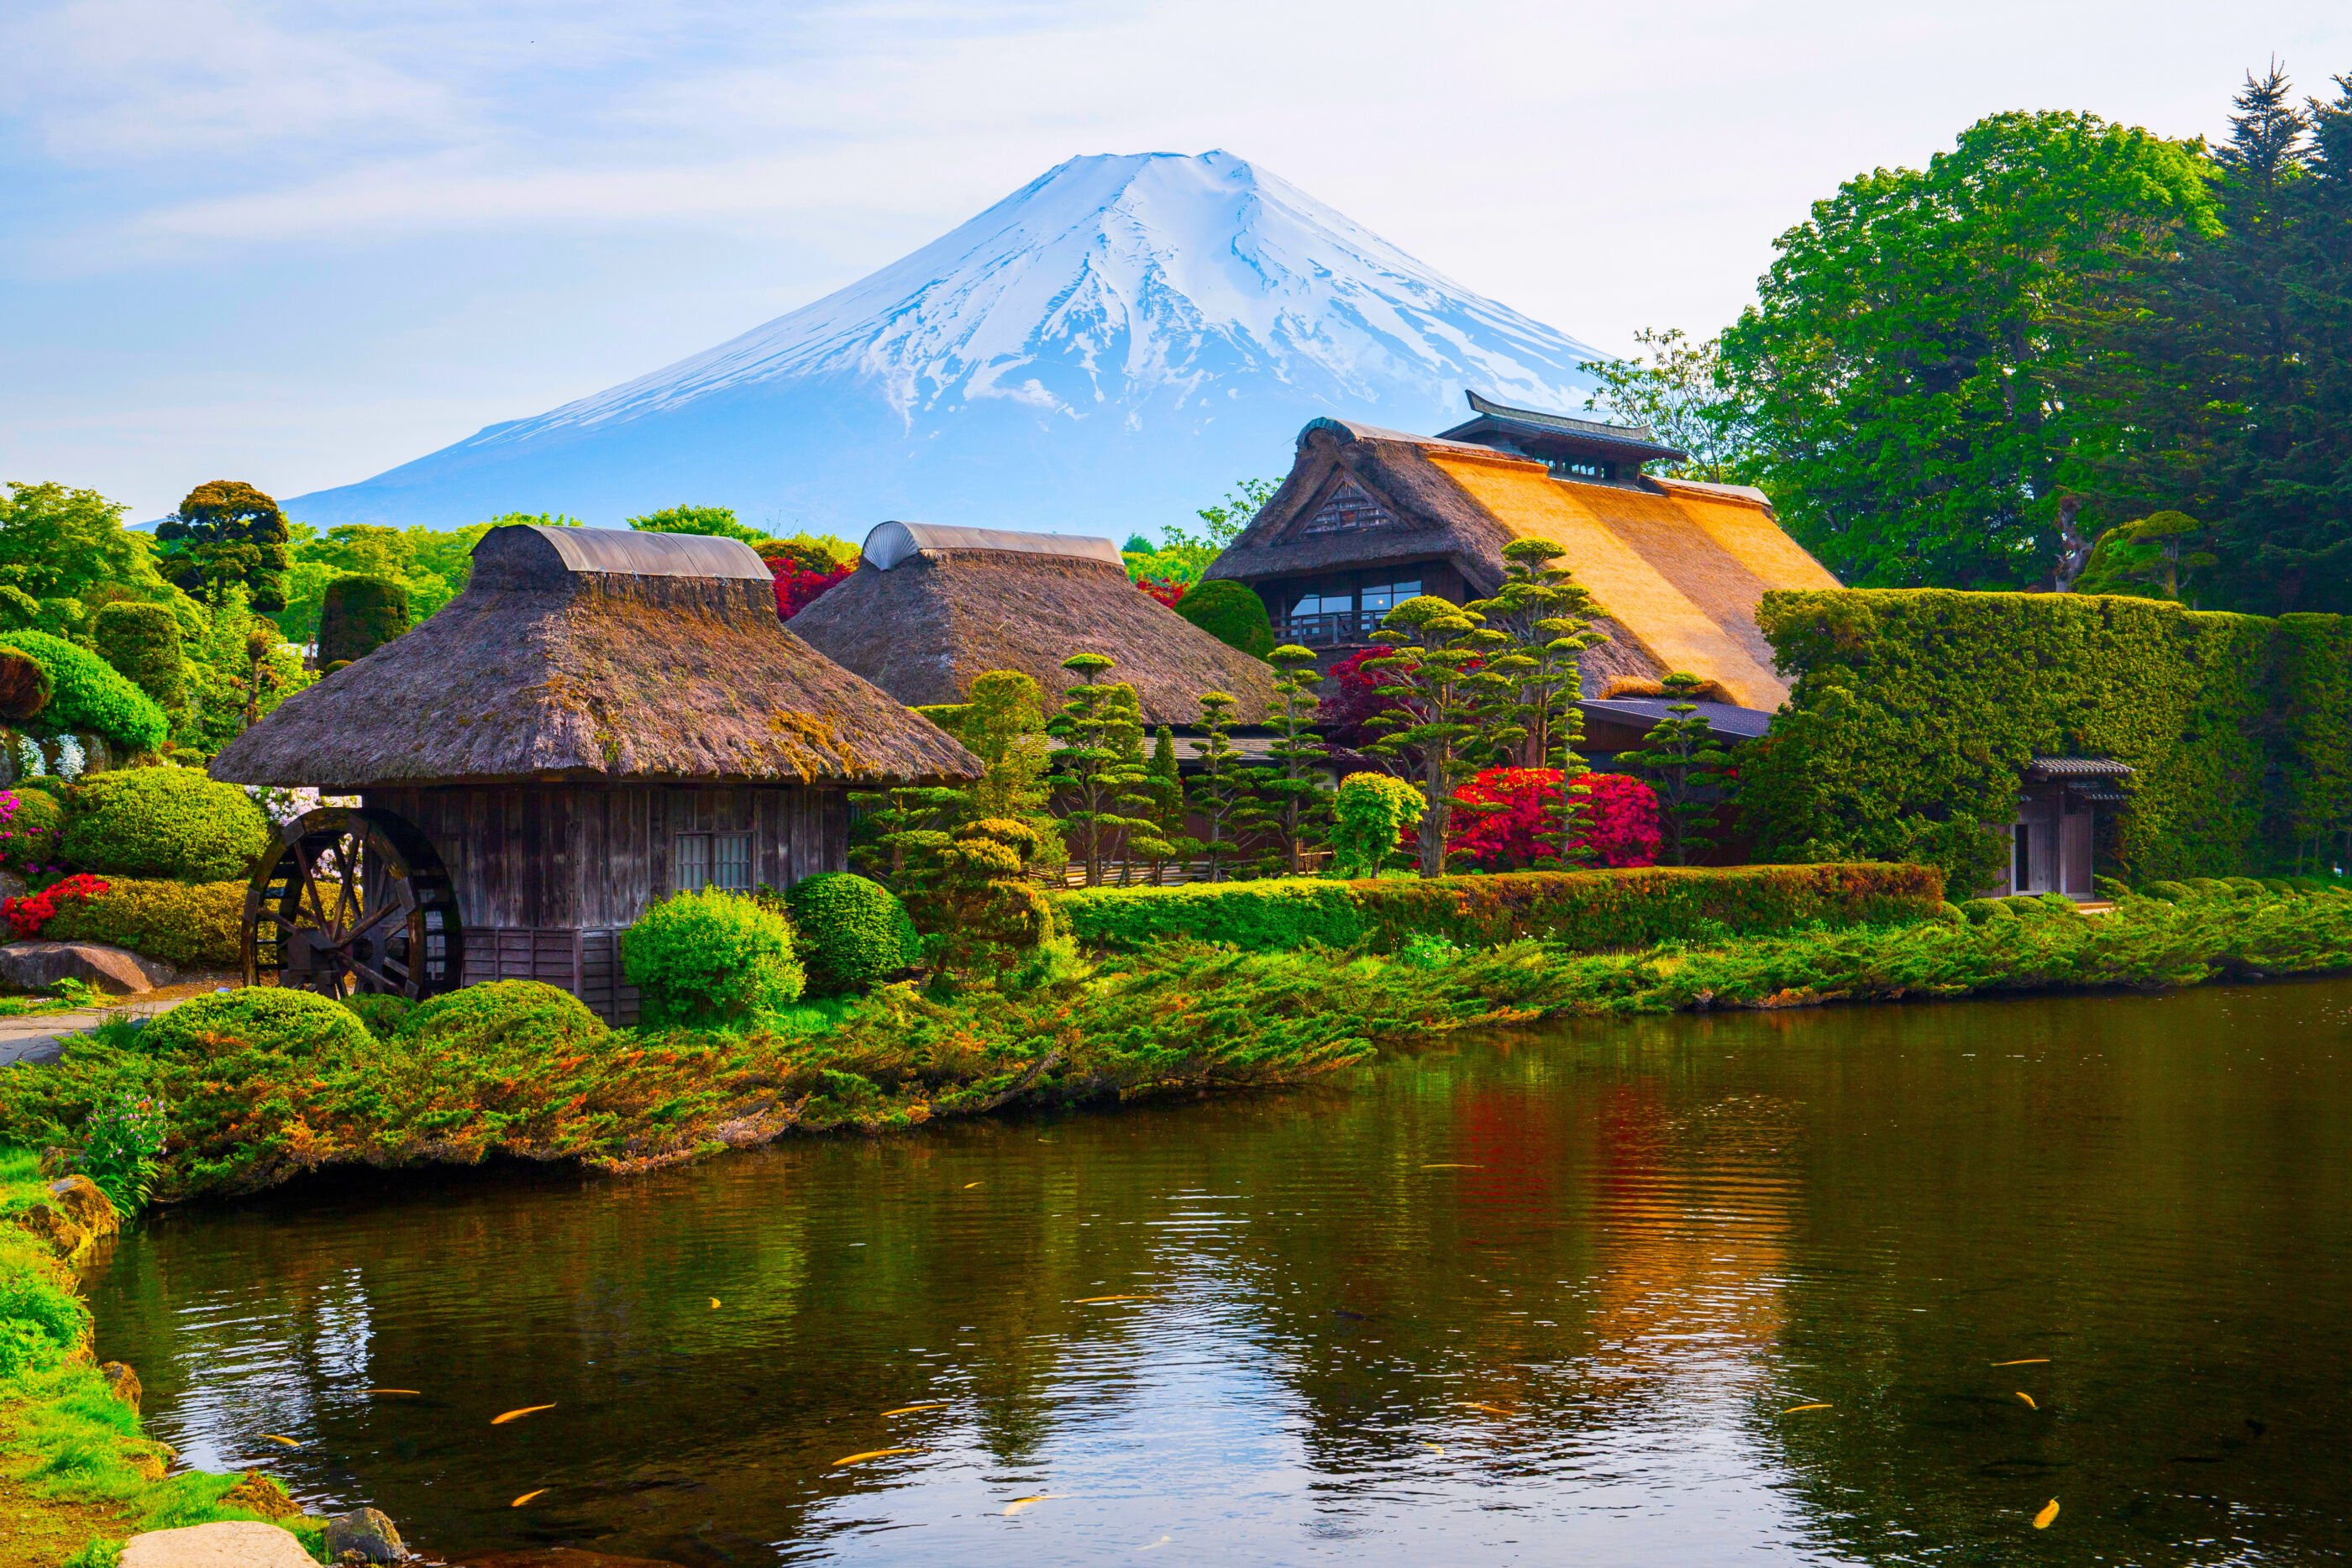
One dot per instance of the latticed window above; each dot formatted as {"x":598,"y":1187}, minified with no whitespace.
{"x":713,"y":860}
{"x":731,"y":861}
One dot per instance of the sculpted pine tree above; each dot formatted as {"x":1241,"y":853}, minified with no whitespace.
{"x":1685,"y":768}
{"x":1534,"y":718}
{"x":1222,"y":794}
{"x":1433,"y":674}
{"x":1098,"y":774}
{"x":1290,"y":803}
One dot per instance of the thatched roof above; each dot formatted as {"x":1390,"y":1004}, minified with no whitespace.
{"x":1678,"y":567}
{"x":596,"y":655}
{"x":924,"y":629}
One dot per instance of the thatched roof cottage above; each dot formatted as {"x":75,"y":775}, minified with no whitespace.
{"x":929,"y":609}
{"x":1369,"y":517}
{"x":600,"y":718}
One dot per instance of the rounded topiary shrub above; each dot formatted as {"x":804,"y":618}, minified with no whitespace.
{"x":1231,"y":613}
{"x":853,"y":931}
{"x":1950,"y":914}
{"x":1980,"y":909}
{"x":504,"y":1012}
{"x":87,"y":695}
{"x":708,"y":959}
{"x":165,"y":822}
{"x":142,"y":641}
{"x":266,"y":1017}
{"x":2168,"y":890}
{"x":28,"y":839}
{"x":358,"y":615}
{"x":383,"y":1015}
{"x":2244,"y":886}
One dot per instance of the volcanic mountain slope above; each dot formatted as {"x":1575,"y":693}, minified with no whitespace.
{"x":1105,"y":349}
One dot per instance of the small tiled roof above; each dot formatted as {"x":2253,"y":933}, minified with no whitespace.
{"x":2079,"y":768}
{"x":1724,"y":718}
{"x":1634,"y":441}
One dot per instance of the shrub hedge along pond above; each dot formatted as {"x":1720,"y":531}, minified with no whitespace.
{"x":1584,"y":910}
{"x":1918,"y":708}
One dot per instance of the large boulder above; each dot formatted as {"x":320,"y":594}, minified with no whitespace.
{"x":29,"y":966}
{"x":71,"y":1214}
{"x":233,"y":1543}
{"x":367,"y":1533}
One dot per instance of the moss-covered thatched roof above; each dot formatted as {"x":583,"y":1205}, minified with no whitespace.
{"x":924,"y":629}
{"x":599,"y":656}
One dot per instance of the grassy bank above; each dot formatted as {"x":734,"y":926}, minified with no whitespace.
{"x":77,"y":1477}
{"x":522,"y":1070}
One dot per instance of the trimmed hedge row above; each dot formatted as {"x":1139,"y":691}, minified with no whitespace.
{"x":1586,"y":910}
{"x":190,"y":925}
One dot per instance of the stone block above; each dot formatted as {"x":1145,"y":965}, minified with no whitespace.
{"x":367,"y":1533}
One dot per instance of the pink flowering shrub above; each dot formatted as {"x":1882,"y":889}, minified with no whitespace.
{"x":1621,"y":819}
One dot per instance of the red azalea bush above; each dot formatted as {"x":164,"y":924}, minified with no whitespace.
{"x":26,"y":916}
{"x":798,"y":585}
{"x":1167,"y":592}
{"x":1621,"y":819}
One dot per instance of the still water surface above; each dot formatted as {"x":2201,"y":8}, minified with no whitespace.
{"x":1536,"y":1297}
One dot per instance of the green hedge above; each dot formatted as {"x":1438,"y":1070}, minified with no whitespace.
{"x":190,"y":925}
{"x":141,"y":643}
{"x":164,"y":822}
{"x":1586,"y":910}
{"x":89,"y":695}
{"x":1918,"y":707}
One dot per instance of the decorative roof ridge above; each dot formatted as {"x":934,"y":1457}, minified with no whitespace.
{"x":1567,"y":423}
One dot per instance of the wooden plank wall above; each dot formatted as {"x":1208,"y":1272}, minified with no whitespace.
{"x":566,"y":857}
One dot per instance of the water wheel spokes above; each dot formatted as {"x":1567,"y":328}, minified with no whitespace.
{"x":353,"y":900}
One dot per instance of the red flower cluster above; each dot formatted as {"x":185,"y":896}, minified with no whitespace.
{"x":797,"y":585}
{"x":1167,"y":592}
{"x":1621,"y":819}
{"x":26,"y":916}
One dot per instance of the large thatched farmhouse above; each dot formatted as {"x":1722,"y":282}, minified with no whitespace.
{"x":600,"y":718}
{"x":929,"y":609}
{"x":1371,"y":518}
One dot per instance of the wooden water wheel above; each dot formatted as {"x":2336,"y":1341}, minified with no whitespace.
{"x":353,"y":900}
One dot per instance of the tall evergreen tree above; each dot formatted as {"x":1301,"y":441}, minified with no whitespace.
{"x":1290,"y":804}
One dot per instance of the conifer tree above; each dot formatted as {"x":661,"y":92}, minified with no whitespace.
{"x":1688,"y":770}
{"x":1098,"y":764}
{"x":1433,"y":673}
{"x":1290,"y":803}
{"x":1222,"y":795}
{"x":1546,"y":616}
{"x":1165,"y":785}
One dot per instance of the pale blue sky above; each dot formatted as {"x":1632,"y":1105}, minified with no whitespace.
{"x":297,"y":244}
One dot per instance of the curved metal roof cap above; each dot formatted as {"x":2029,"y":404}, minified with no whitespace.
{"x":891,"y":543}
{"x":638,"y":554}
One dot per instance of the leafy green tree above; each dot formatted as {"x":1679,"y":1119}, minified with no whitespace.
{"x":1682,"y":394}
{"x":1290,"y":800}
{"x":1925,"y":366}
{"x":1098,"y":766}
{"x":57,"y":543}
{"x":1370,"y":812}
{"x":718,"y":522}
{"x":1689,"y":772}
{"x":1190,"y":553}
{"x":226,"y":532}
{"x":533,"y":520}
{"x":143,"y":642}
{"x":1433,"y":673}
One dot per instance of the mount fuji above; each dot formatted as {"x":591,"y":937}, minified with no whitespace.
{"x":1102,"y":351}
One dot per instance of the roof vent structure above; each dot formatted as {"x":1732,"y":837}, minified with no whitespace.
{"x":891,"y":543}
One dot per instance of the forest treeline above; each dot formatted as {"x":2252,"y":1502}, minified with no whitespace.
{"x":2065,"y":351}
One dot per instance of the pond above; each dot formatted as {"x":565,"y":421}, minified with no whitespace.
{"x":1835,"y":1285}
